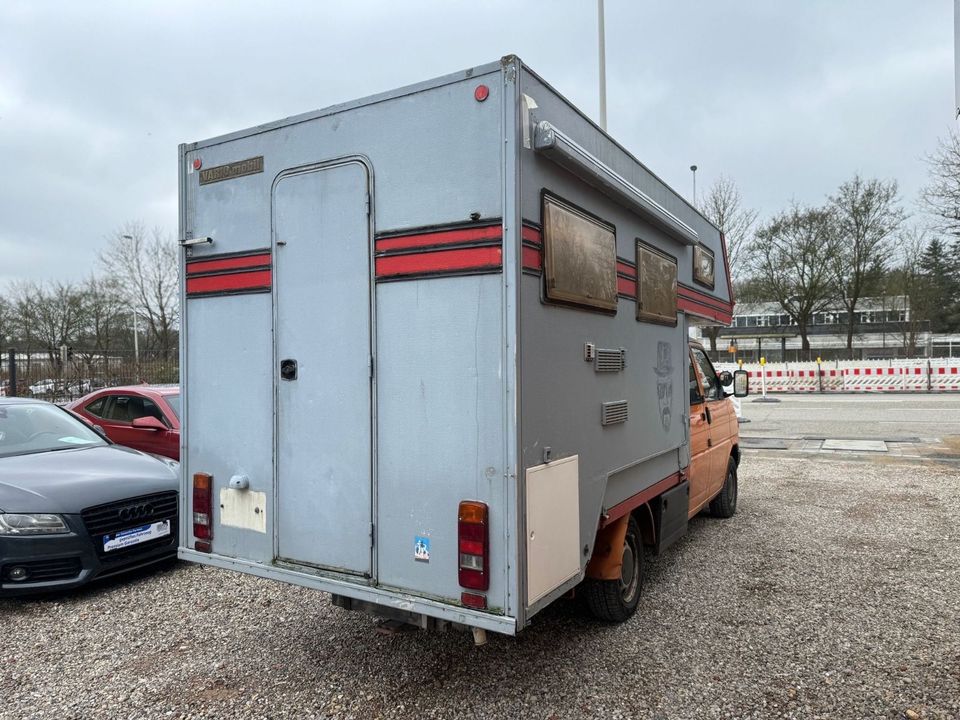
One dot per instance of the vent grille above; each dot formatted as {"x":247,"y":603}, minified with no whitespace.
{"x":104,"y":519}
{"x":614,"y":412}
{"x":611,"y":360}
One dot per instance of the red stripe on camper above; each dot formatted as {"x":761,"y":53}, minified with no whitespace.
{"x":696,"y":296}
{"x":439,"y":238}
{"x":635,"y":501}
{"x":626,"y":286}
{"x":440,"y":261}
{"x":531,"y":235}
{"x":531,"y":258}
{"x":227,"y":264}
{"x":256,"y":280}
{"x":696,"y":303}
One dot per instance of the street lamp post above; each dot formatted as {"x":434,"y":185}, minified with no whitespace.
{"x":693,"y":169}
{"x":603,"y":67}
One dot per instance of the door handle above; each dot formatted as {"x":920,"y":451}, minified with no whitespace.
{"x":288,"y":369}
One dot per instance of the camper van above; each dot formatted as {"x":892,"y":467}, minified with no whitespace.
{"x":459,"y":313}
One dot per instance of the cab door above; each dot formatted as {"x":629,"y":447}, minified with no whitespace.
{"x":719,"y":416}
{"x":700,"y":442}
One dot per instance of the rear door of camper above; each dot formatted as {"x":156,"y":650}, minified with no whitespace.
{"x":323,"y":364}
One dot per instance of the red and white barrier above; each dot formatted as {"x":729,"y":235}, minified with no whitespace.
{"x":832,"y":379}
{"x":914,"y":378}
{"x":804,"y":380}
{"x":872,"y":379}
{"x":899,"y":376}
{"x":945,"y":378}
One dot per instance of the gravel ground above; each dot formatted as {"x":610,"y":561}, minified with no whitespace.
{"x":834,"y":592}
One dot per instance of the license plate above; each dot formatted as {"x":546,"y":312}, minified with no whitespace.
{"x":135,"y":536}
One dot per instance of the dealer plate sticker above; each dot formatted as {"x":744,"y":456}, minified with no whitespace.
{"x":135,"y":536}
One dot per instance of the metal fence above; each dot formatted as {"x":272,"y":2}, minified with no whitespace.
{"x":58,"y":378}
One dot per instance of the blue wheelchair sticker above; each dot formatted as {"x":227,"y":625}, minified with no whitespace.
{"x":421,"y":548}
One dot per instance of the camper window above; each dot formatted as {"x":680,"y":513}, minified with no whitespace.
{"x":656,"y":285}
{"x":704,"y":266}
{"x":580,"y":256}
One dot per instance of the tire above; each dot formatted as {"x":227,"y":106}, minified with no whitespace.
{"x":615,"y":601}
{"x":724,"y":505}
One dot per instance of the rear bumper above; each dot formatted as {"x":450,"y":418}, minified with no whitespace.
{"x":390,"y":599}
{"x":63,"y":562}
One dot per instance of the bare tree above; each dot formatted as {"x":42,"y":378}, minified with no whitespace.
{"x":107,"y":315}
{"x":906,"y":286}
{"x":145,"y":269}
{"x":791,"y":256}
{"x":723,"y":206}
{"x":866,"y":213}
{"x":6,"y":321}
{"x":50,"y":315}
{"x":941,"y":196}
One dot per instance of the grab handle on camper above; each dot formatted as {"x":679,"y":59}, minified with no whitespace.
{"x":288,"y":369}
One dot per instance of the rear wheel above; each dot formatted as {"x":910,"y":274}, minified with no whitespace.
{"x":724,"y":505}
{"x":616,"y":600}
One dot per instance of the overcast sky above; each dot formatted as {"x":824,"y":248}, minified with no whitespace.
{"x":787,"y":98}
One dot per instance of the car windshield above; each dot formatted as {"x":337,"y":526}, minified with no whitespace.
{"x":39,"y":427}
{"x":174,"y":402}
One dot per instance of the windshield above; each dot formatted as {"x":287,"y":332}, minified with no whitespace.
{"x":174,"y":402}
{"x":39,"y":427}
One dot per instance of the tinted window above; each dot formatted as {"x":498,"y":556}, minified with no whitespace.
{"x":96,"y":407}
{"x":127,"y":408}
{"x":694,"y":386}
{"x":711,"y":385}
{"x":118,"y":409}
{"x":35,"y":428}
{"x":174,"y":402}
{"x":148,"y":408}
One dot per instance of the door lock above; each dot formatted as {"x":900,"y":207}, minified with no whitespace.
{"x":288,"y":369}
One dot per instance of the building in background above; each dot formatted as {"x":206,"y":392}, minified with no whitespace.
{"x":884,"y":329}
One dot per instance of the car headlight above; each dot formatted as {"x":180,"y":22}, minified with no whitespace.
{"x":43,"y":524}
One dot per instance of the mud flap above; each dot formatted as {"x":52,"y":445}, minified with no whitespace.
{"x":608,"y":551}
{"x":670,"y":512}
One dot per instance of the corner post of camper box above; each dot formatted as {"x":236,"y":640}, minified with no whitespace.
{"x":182,"y":228}
{"x":514,"y":528}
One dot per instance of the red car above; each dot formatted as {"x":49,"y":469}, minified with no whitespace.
{"x":144,"y":417}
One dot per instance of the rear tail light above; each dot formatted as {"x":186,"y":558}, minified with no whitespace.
{"x":474,"y":600}
{"x":473,"y":539}
{"x":203,"y":507}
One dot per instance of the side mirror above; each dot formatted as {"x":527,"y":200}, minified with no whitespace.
{"x":741,"y":384}
{"x":148,"y":422}
{"x":725,"y":378}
